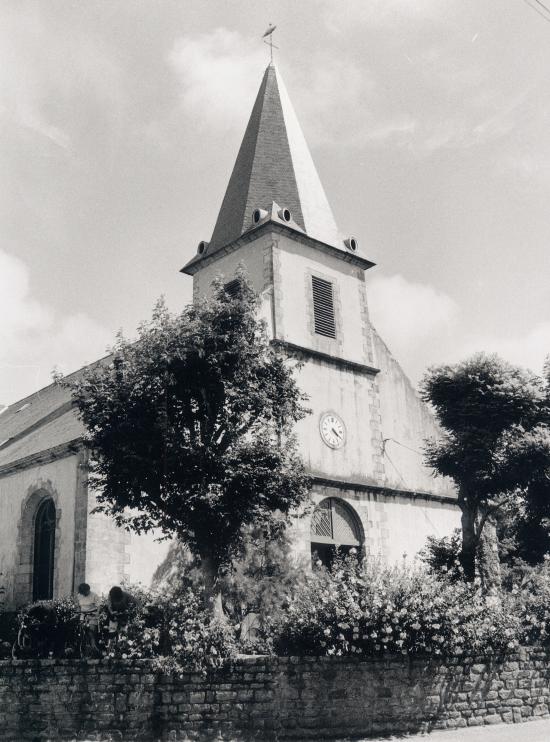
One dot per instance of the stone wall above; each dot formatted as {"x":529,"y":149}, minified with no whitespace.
{"x":269,"y":698}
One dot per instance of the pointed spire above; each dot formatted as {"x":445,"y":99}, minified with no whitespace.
{"x":274,"y":165}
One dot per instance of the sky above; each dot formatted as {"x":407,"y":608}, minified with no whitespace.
{"x":428,"y":120}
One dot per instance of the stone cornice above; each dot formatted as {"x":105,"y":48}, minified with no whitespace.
{"x":200,"y":261}
{"x":43,"y":457}
{"x":380,"y":490}
{"x":58,"y":412}
{"x":360,"y":368}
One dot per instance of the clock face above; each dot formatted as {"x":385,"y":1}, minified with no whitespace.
{"x":333,"y":431}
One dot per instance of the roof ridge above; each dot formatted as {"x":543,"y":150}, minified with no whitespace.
{"x":264,"y":78}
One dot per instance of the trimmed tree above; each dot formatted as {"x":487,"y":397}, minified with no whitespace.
{"x":191,"y":428}
{"x":495,"y":445}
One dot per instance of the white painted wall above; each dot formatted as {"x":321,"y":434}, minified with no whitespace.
{"x":60,"y":476}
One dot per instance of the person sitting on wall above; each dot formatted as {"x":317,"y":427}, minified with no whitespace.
{"x":88,"y":603}
{"x":120,"y":604}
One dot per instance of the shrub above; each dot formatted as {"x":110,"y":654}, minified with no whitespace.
{"x":196,"y":641}
{"x":443,"y":555}
{"x":8,"y":627}
{"x":174,"y":628}
{"x":49,"y":626}
{"x":263,"y":581}
{"x":367,"y":609}
{"x":528,"y":597}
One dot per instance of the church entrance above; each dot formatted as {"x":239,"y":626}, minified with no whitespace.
{"x":44,"y":551}
{"x":334,"y":525}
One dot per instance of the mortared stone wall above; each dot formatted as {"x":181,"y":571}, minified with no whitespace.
{"x":268,"y":698}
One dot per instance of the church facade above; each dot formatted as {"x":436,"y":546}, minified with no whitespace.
{"x":361,"y":443}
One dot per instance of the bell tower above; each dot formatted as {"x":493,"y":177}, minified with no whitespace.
{"x":275,"y":217}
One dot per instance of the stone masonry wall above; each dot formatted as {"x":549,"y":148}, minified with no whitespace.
{"x":268,"y":698}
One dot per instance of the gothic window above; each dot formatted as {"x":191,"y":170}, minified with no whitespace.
{"x":44,"y":551}
{"x":334,"y":524}
{"x":323,"y":307}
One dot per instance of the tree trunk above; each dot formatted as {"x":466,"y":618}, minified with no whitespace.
{"x":212,"y":594}
{"x":480,"y":548}
{"x":488,"y":560}
{"x":469,"y":540}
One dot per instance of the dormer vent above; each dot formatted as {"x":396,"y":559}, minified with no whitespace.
{"x":201,"y":249}
{"x":258,"y":215}
{"x":351,"y":243}
{"x":284,"y":214}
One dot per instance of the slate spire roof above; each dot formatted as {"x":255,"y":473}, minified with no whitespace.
{"x":274,"y":165}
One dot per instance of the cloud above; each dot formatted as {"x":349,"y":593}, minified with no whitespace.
{"x":47,"y":65}
{"x":527,"y":165}
{"x":34,"y":339}
{"x":423,"y":327}
{"x":530,"y":349}
{"x":416,"y":320}
{"x":344,"y":99}
{"x":219,"y":77}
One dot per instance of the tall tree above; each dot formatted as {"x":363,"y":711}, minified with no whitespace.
{"x":191,"y":427}
{"x":495,"y":443}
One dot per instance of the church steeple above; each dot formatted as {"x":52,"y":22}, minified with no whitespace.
{"x":274,"y":165}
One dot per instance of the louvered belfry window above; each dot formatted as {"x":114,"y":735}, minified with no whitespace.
{"x":323,"y":307}
{"x":333,"y":522}
{"x":232,"y":288}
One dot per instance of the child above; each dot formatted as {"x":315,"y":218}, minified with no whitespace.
{"x":88,"y":603}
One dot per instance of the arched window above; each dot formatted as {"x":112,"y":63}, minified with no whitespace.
{"x":334,"y":524}
{"x":44,"y":551}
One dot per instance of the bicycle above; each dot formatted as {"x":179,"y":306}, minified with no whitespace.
{"x":36,"y":636}
{"x":86,"y":644}
{"x":116,"y":621}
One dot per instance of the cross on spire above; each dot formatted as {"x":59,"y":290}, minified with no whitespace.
{"x":269,"y":40}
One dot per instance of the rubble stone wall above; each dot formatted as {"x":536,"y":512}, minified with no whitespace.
{"x":268,"y":698}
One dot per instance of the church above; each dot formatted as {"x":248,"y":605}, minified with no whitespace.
{"x":361,"y":443}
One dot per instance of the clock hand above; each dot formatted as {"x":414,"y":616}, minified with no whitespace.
{"x":336,"y":433}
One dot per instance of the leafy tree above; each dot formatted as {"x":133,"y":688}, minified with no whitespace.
{"x":526,"y":529}
{"x":496,"y":440}
{"x":191,"y":427}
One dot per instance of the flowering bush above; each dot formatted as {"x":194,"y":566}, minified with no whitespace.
{"x":367,"y":609}
{"x":172,"y":628}
{"x":355,"y":608}
{"x":138,"y":639}
{"x":175,"y":629}
{"x":195,"y":641}
{"x":528,"y":596}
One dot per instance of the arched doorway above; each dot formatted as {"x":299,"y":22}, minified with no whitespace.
{"x":334,"y":524}
{"x":44,"y":551}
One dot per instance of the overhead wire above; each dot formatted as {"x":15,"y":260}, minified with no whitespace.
{"x":402,"y":478}
{"x":546,"y":8}
{"x":533,"y":7}
{"x":403,"y":445}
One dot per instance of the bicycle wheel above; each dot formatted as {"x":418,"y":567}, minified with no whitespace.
{"x":88,"y":647}
{"x":21,"y":646}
